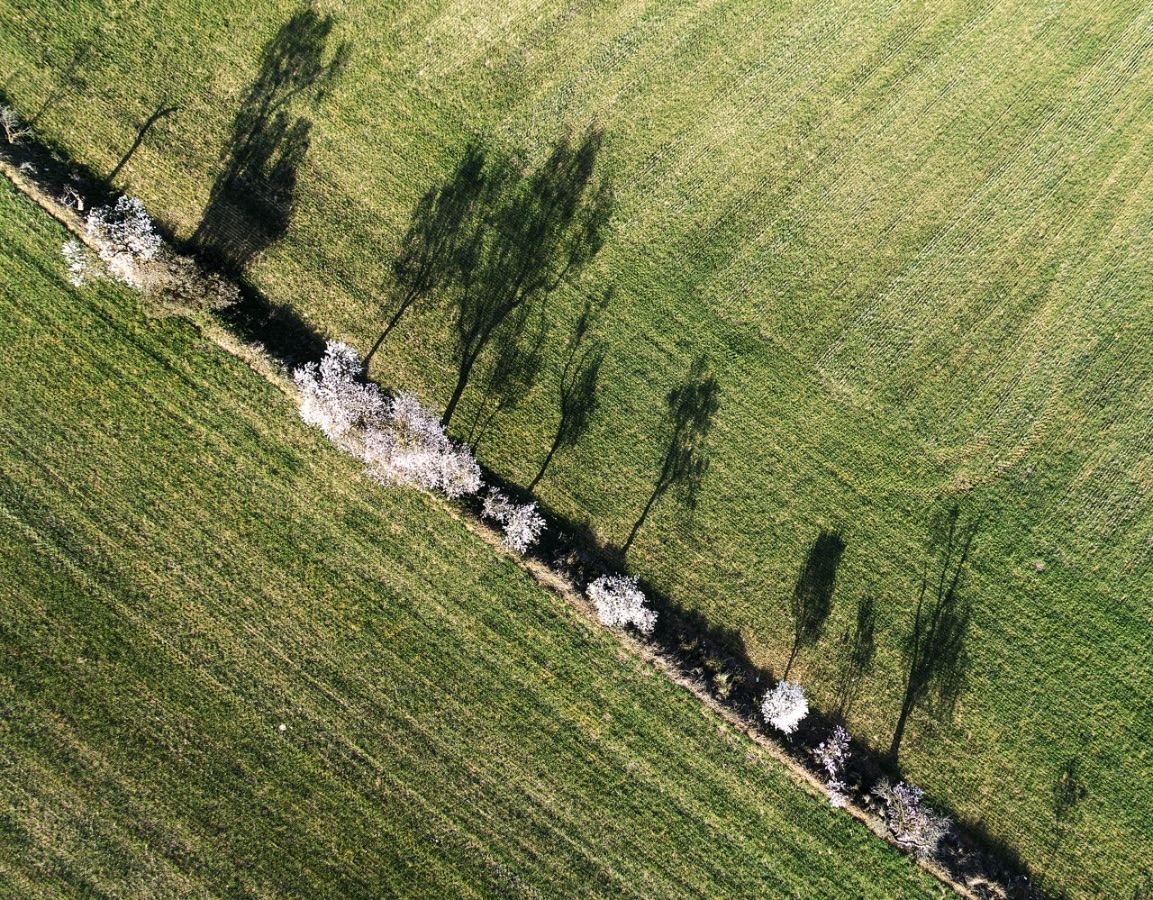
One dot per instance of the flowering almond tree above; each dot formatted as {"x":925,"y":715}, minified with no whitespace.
{"x":522,"y":524}
{"x":785,"y":706}
{"x":129,"y":249}
{"x":400,"y":440}
{"x":832,"y":755}
{"x":620,"y":602}
{"x":912,"y":823}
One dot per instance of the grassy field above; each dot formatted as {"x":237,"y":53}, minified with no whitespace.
{"x":185,"y":568}
{"x":914,"y":241}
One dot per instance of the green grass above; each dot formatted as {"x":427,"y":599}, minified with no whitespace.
{"x":184,"y":567}
{"x":914,"y":241}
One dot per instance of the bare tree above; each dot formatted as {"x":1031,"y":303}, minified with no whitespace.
{"x":577,"y":392}
{"x":14,"y":128}
{"x":691,"y":407}
{"x":935,"y":652}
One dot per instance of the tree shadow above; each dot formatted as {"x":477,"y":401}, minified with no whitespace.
{"x":70,"y":79}
{"x":812,"y":598}
{"x":935,"y":647}
{"x":437,"y":232}
{"x":253,"y":198}
{"x":530,"y":232}
{"x":859,"y":648}
{"x":1069,"y":792}
{"x":157,"y":114}
{"x":692,"y":406}
{"x":512,"y":370}
{"x":577,"y":399}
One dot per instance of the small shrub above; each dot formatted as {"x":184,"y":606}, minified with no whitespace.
{"x":832,"y":756}
{"x":912,"y":824}
{"x":14,"y":128}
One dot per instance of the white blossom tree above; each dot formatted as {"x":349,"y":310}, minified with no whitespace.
{"x":125,"y":238}
{"x":414,"y":449}
{"x":522,"y":524}
{"x":129,"y":249}
{"x":832,"y":755}
{"x":83,"y":264}
{"x":912,"y":823}
{"x":785,"y":706}
{"x":620,"y":602}
{"x":333,"y":399}
{"x":400,"y":440}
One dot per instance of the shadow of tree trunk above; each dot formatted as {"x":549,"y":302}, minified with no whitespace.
{"x":935,"y":651}
{"x":160,"y":112}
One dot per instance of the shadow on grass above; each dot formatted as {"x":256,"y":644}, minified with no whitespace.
{"x":812,"y":598}
{"x":715,"y":657}
{"x":253,"y":198}
{"x":711,"y":654}
{"x":285,"y":336}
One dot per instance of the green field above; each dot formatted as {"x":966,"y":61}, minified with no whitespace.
{"x":914,"y":240}
{"x":185,"y":567}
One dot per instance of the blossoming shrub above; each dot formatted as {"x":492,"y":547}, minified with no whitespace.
{"x":400,"y":440}
{"x":523,"y":525}
{"x":832,"y":755}
{"x":912,"y":823}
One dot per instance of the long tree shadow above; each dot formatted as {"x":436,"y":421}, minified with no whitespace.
{"x":253,"y":198}
{"x":532,"y":232}
{"x":859,"y":648}
{"x":691,"y":407}
{"x":577,"y":388}
{"x":494,"y":241}
{"x":812,"y":598}
{"x":438,"y":232}
{"x":935,"y":650}
{"x":716,"y":657}
{"x":70,"y":79}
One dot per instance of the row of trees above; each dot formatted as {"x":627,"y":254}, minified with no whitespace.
{"x":492,"y":244}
